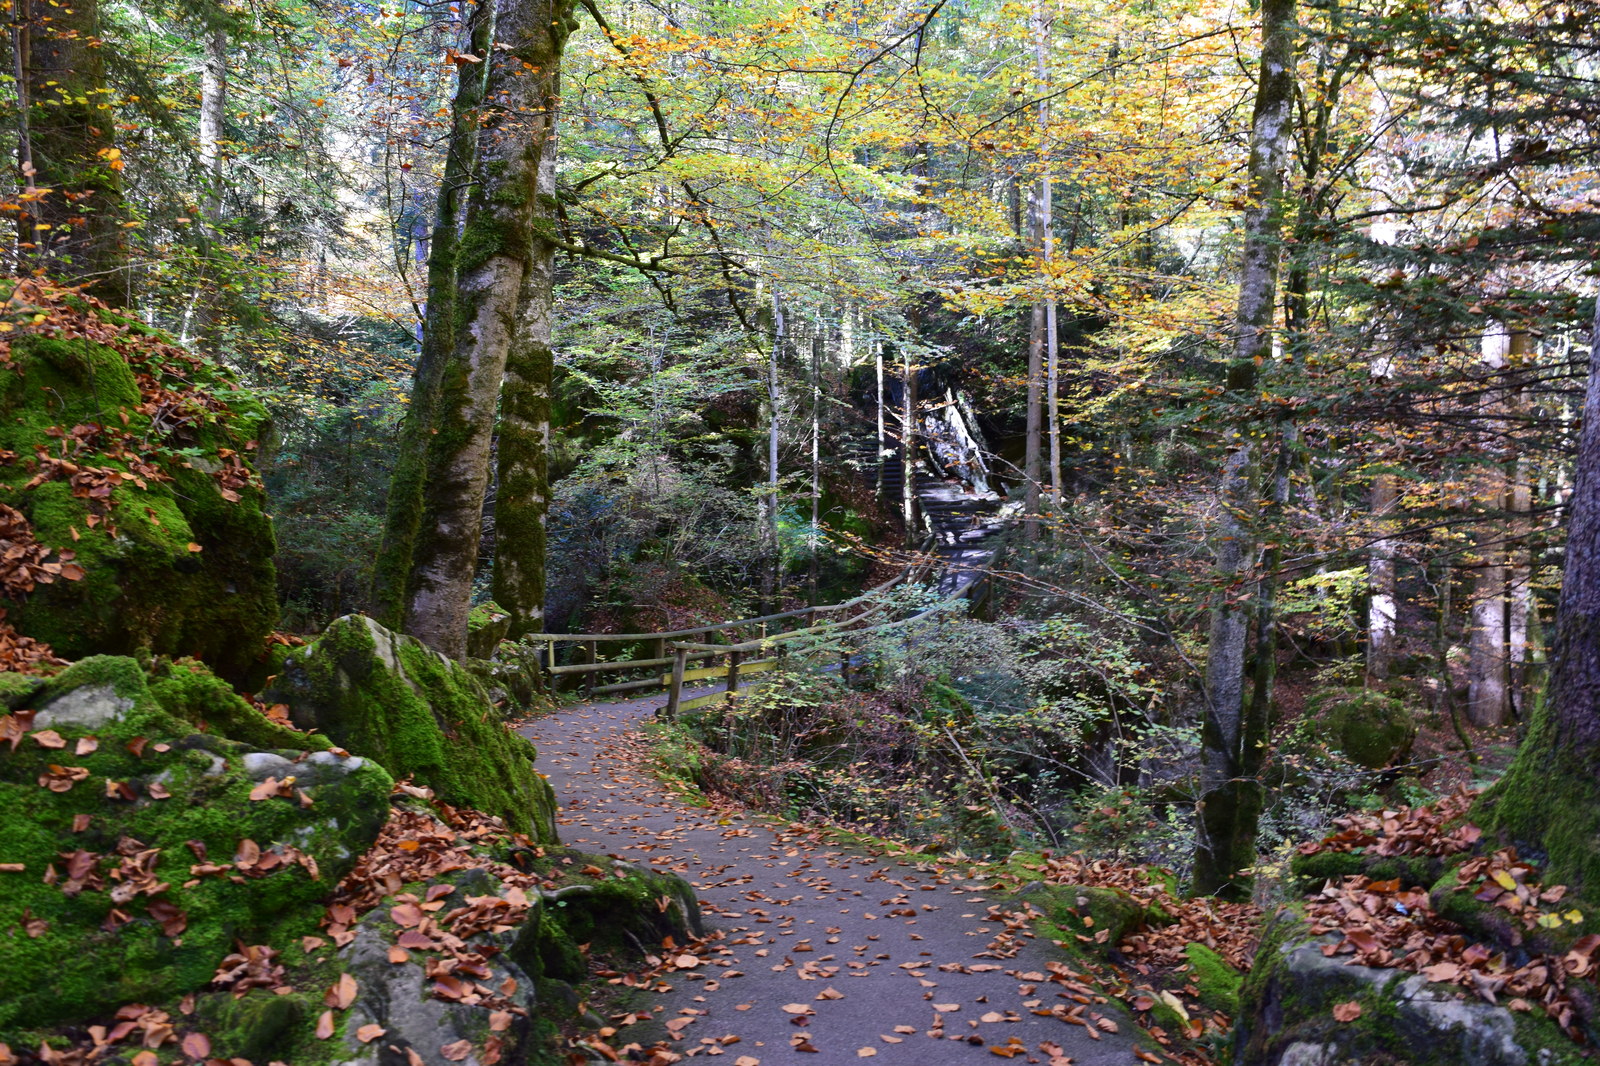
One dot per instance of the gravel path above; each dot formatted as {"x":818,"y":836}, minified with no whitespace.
{"x":889,"y":959}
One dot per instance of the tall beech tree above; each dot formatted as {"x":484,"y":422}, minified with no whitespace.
{"x":1234,"y":732}
{"x":392,"y":573}
{"x":500,"y":248}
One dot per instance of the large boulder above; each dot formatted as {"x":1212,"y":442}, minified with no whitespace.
{"x":133,"y":453}
{"x":149,"y":825}
{"x":418,"y":714}
{"x":1288,"y":1014}
{"x":1369,"y":728}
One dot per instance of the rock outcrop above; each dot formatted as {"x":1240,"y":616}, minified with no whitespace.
{"x":133,"y":454}
{"x":137,"y":851}
{"x":1288,"y":1015}
{"x":419,"y":715}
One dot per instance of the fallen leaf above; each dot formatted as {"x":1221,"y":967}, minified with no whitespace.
{"x":796,"y":1008}
{"x":342,"y":993}
{"x":368,"y":1033}
{"x":325,"y":1025}
{"x":49,"y":738}
{"x":866,"y":1052}
{"x":197,"y":1046}
{"x":457,"y":1051}
{"x":1347,"y":1012}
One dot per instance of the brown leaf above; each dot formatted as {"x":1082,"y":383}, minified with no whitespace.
{"x":499,"y":1021}
{"x":368,"y":1033}
{"x":86,"y":746}
{"x":197,"y":1046}
{"x":456,"y":1051}
{"x":49,"y":738}
{"x":342,"y":993}
{"x":1347,"y":1012}
{"x":264,"y":790}
{"x":137,"y":746}
{"x":325,"y":1025}
{"x":796,"y":1008}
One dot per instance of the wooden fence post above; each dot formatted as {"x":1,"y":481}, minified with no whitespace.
{"x":844,"y":665}
{"x":733,"y":670}
{"x":680,"y":658}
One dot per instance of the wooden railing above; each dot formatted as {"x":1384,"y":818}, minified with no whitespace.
{"x":671,"y":655}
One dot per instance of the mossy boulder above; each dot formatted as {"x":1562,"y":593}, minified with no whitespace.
{"x":1370,"y":729}
{"x":418,"y":714}
{"x":487,"y":625}
{"x":1286,"y":1014}
{"x":1092,"y":918}
{"x":132,"y":453}
{"x":135,"y":857}
{"x":1214,"y":978}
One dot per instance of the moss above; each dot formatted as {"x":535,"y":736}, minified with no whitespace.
{"x":258,"y":1026}
{"x":1310,"y":871}
{"x":419,"y":715}
{"x":194,"y":694}
{"x":1217,"y":982}
{"x":143,"y":587}
{"x":1086,"y":917}
{"x":1369,"y":728}
{"x":1548,"y":804}
{"x":76,"y":967}
{"x":487,"y":624}
{"x":17,"y":690}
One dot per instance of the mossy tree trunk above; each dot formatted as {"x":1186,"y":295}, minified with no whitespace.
{"x":74,"y":231}
{"x":499,"y":242}
{"x":403,"y":516}
{"x":522,"y":502}
{"x":1231,"y":795}
{"x":1549,"y":801}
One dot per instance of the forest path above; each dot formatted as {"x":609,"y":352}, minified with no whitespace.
{"x":896,"y":959}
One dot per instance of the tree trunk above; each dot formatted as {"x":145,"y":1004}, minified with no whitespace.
{"x":1381,"y":603}
{"x":1488,"y":680}
{"x":1549,"y":801}
{"x":213,"y":104}
{"x":522,"y":479}
{"x":908,"y":449}
{"x":403,"y":515}
{"x":497,"y":247}
{"x":1230,"y":794}
{"x":74,"y":232}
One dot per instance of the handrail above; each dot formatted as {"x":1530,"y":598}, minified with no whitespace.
{"x":717,"y":627}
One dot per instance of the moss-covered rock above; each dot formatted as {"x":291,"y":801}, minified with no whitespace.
{"x":1309,"y":872}
{"x":130,"y":452}
{"x":420,"y":715}
{"x":1286,"y":1014}
{"x":135,"y":856}
{"x":487,"y":625}
{"x":1092,"y":917}
{"x":1214,"y":978}
{"x":1369,"y":728}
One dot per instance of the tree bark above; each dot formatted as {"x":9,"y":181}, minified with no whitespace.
{"x":73,"y":232}
{"x":908,"y":449}
{"x":1488,"y":679}
{"x":1230,"y":793}
{"x":404,"y":508}
{"x":1382,"y":606}
{"x":522,"y":501}
{"x":497,"y":248}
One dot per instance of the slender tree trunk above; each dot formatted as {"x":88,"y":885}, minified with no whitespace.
{"x":772,"y":578}
{"x":213,"y":105}
{"x":1230,"y":793}
{"x":497,"y":247}
{"x":816,"y":461}
{"x":877,"y":359}
{"x":1488,"y":678}
{"x":404,"y":508}
{"x":1382,"y":607}
{"x":522,"y":479}
{"x":74,"y":233}
{"x":908,"y":448}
